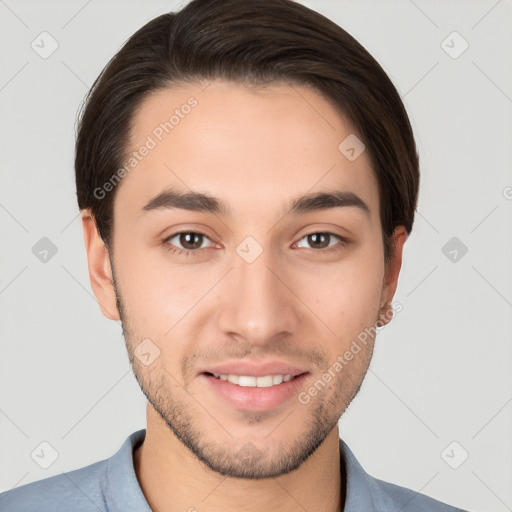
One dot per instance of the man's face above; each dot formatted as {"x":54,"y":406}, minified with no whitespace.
{"x":256,"y":284}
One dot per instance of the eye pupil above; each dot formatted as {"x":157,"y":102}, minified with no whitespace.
{"x":314,"y":240}
{"x":185,"y":240}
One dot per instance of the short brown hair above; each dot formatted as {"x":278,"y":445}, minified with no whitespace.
{"x":251,"y":42}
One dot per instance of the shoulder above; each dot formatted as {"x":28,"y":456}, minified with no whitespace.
{"x":394,"y":497}
{"x":107,"y":485}
{"x":365,"y":492}
{"x":79,"y":490}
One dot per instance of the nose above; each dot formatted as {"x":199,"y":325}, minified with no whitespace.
{"x":257,"y":303}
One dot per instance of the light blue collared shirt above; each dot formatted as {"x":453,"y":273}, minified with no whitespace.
{"x":111,"y":485}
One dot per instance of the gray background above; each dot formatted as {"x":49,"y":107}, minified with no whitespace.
{"x":442,"y":369}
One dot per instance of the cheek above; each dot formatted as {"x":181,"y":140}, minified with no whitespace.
{"x":148,"y":288}
{"x":162,"y":296}
{"x":346,"y":295}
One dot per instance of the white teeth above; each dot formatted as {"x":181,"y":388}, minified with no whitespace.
{"x":277,"y":379}
{"x":233,"y":379}
{"x":247,"y":381}
{"x":265,"y":381}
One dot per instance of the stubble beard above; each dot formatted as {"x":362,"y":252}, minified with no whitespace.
{"x":246,"y":460}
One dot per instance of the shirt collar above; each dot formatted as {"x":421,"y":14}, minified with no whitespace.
{"x":123,"y":490}
{"x":359,"y":486}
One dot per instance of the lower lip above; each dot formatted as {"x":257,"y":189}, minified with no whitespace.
{"x":254,"y":398}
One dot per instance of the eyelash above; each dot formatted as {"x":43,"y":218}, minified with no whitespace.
{"x":184,"y":252}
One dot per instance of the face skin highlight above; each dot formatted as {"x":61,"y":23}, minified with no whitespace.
{"x":303,"y":300}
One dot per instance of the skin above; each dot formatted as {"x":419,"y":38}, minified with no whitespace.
{"x":256,"y":150}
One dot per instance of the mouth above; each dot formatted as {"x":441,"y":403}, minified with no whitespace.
{"x":254,"y":393}
{"x":249,"y":381}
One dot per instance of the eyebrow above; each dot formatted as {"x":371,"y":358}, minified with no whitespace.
{"x":199,"y":202}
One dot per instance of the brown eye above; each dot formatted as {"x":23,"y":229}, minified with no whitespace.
{"x":320,"y":240}
{"x":186,"y":241}
{"x":191,"y":240}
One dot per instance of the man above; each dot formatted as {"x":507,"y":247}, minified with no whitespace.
{"x":247,"y":177}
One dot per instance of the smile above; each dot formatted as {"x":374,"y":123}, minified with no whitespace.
{"x":264,"y":381}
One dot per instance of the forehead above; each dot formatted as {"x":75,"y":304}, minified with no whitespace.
{"x":253,"y":147}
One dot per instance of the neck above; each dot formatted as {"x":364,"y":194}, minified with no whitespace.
{"x":173,"y":479}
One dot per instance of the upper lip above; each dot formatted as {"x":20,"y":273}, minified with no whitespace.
{"x":255,"y":369}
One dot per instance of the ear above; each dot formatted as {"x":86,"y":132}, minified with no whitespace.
{"x":391,"y":273}
{"x":100,"y":270}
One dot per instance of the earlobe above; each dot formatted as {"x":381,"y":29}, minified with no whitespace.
{"x":100,"y":270}
{"x":392,"y":271}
